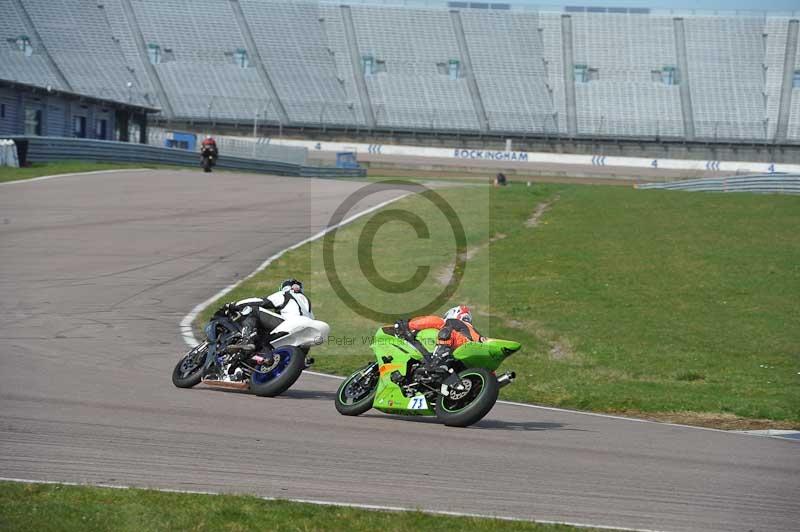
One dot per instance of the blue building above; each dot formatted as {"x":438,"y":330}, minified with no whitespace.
{"x":44,"y":111}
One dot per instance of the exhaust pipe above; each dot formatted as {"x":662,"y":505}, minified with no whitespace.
{"x":506,"y":378}
{"x":309,"y":361}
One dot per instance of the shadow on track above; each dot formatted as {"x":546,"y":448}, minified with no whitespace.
{"x":484,"y":424}
{"x":291,"y":393}
{"x":499,"y":424}
{"x":295,"y":393}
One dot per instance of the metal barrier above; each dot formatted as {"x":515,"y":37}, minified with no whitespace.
{"x":763,"y":183}
{"x":245,"y":148}
{"x":51,"y":149}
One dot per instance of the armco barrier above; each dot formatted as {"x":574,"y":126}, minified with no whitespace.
{"x":51,"y":149}
{"x":766,"y":183}
{"x":247,"y":148}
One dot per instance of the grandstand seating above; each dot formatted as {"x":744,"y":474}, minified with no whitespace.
{"x":14,"y":64}
{"x":122,"y":34}
{"x":413,"y":91}
{"x":726,"y":57}
{"x":625,"y":99}
{"x":335,"y":43}
{"x":508,"y":62}
{"x":553,"y":59}
{"x":735,"y":65}
{"x":198,"y":42}
{"x":90,"y":59}
{"x":794,"y":115}
{"x":776,"y":29}
{"x":291,"y":43}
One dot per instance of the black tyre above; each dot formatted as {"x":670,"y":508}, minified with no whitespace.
{"x":357,"y":392}
{"x":276,"y":375}
{"x":189,"y":370}
{"x":468,"y":406}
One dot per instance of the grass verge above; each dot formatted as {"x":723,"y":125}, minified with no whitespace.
{"x":62,"y":167}
{"x":672,"y":305}
{"x":46,"y":507}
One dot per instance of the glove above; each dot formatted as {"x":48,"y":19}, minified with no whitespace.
{"x":224,"y":309}
{"x":402,"y":329}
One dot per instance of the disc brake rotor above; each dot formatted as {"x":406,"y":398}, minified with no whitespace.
{"x":269,"y":365}
{"x":456,"y":395}
{"x":357,"y":388}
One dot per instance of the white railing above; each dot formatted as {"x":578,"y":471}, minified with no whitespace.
{"x":765,"y":183}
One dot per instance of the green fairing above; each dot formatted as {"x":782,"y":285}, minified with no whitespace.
{"x":489,"y":354}
{"x":389,"y":397}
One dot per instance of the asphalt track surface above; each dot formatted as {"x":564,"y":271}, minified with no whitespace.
{"x":98,"y":270}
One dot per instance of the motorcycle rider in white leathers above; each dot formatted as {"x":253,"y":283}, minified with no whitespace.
{"x":289,"y":301}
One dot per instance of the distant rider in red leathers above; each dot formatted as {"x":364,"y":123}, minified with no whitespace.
{"x":208,"y":150}
{"x":209,"y":144}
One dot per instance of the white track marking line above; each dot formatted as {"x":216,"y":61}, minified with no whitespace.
{"x":186,"y":322}
{"x":328,"y":375}
{"x":74,"y":174}
{"x":791,"y":435}
{"x":359,"y":506}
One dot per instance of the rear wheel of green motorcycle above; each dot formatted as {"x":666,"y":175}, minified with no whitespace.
{"x":357,"y":392}
{"x":465,"y":407}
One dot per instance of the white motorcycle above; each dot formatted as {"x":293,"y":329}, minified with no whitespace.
{"x":269,"y":370}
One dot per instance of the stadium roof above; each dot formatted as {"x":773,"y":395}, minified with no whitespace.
{"x":74,"y":95}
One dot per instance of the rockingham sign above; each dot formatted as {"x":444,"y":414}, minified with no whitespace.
{"x":489,"y":155}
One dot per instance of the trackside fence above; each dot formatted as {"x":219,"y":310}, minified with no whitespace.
{"x":763,"y":183}
{"x":51,"y":149}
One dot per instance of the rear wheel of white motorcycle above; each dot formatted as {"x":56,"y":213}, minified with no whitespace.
{"x":357,"y":392}
{"x":467,"y":406}
{"x":278,"y":373}
{"x":189,"y":370}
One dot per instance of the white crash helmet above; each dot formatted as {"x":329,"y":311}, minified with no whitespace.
{"x":460,"y":312}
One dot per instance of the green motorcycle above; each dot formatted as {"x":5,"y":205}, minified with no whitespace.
{"x":460,"y":388}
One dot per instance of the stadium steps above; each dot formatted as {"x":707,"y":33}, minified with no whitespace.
{"x":469,"y":74}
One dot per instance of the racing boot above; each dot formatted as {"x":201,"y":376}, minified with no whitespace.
{"x":244,"y":346}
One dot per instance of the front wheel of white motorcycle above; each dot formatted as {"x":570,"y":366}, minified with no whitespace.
{"x":189,"y":369}
{"x":276,"y":374}
{"x":475,"y":398}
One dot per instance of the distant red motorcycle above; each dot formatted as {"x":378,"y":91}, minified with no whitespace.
{"x":208,"y":158}
{"x":208,"y":154}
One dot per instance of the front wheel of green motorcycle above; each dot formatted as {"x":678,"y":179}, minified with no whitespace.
{"x":355,"y":395}
{"x":462,"y":408}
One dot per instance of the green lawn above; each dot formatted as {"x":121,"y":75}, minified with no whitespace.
{"x":62,"y":167}
{"x":677,"y":305}
{"x":48,"y":507}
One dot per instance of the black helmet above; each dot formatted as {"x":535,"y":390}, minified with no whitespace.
{"x":293,"y":284}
